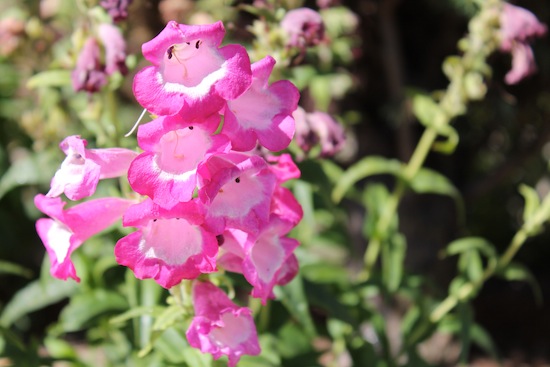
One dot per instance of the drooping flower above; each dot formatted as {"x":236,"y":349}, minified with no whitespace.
{"x":169,"y":246}
{"x":66,"y":230}
{"x":174,"y":148}
{"x":236,"y":188}
{"x":89,"y":74}
{"x":191,"y":75}
{"x":304,"y":27}
{"x":83,"y":168}
{"x":518,"y":28}
{"x":220,"y":327}
{"x":263,"y":113}
{"x":317,"y":127}
{"x":115,"y":48}
{"x":117,"y":9}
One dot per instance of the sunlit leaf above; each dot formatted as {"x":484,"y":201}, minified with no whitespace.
{"x":369,"y":166}
{"x":50,"y":78}
{"x":517,"y":272}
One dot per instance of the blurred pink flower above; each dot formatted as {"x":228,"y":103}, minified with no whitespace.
{"x":117,"y":9}
{"x":89,"y":74}
{"x":317,"y":127}
{"x":304,"y":27}
{"x":220,"y":327}
{"x":115,"y":48}
{"x":518,"y":27}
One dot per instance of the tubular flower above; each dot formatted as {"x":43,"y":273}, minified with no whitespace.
{"x":236,"y":189}
{"x":263,"y":112}
{"x":170,"y":245}
{"x":89,"y":74}
{"x":220,"y":327}
{"x":304,"y":27}
{"x":83,"y":168}
{"x":174,"y":148}
{"x":518,"y":27}
{"x":191,"y":75}
{"x":262,"y":258}
{"x":66,"y":230}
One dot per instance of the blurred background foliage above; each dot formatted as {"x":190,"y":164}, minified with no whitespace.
{"x":381,"y":53}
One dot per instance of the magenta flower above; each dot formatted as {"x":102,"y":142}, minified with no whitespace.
{"x":170,"y":245}
{"x":83,"y":168}
{"x":262,"y":258}
{"x":190,"y":74}
{"x":220,"y":327}
{"x":117,"y":9}
{"x":115,"y":48}
{"x":67,"y":229}
{"x":319,"y":128}
{"x":518,"y":27}
{"x":236,"y":189}
{"x":263,"y":112}
{"x":166,"y":171}
{"x":283,"y":167}
{"x":304,"y":27}
{"x":89,"y":73}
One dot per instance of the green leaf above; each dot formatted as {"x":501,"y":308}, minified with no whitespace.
{"x":480,"y":337}
{"x":471,"y":243}
{"x":393,"y":256}
{"x":366,"y":167}
{"x":517,"y":272}
{"x":532,"y":201}
{"x":293,"y":298}
{"x":169,"y":317}
{"x":136,"y":312}
{"x":11,"y":268}
{"x":32,"y":169}
{"x":50,"y":78}
{"x":35,"y":296}
{"x":428,"y":181}
{"x":85,"y":306}
{"x":425,"y":109}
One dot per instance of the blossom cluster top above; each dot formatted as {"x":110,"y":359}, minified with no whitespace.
{"x":208,"y":199}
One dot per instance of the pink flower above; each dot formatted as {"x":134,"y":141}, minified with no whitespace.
{"x":304,"y":27}
{"x":318,"y":128}
{"x":89,"y":73}
{"x":190,"y":74}
{"x":220,"y":327}
{"x":283,"y":167}
{"x":166,"y":171}
{"x":263,"y":112}
{"x":83,"y":168}
{"x":518,"y":27}
{"x":67,"y":229}
{"x":117,"y":9}
{"x":170,"y":245}
{"x":236,"y":189}
{"x":261,"y":259}
{"x":115,"y":48}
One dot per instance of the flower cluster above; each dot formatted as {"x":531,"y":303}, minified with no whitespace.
{"x":208,"y":200}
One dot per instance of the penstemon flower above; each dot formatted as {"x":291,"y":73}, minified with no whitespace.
{"x":212,"y":194}
{"x":82,"y":169}
{"x":220,"y":327}
{"x":66,"y":230}
{"x":191,"y":75}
